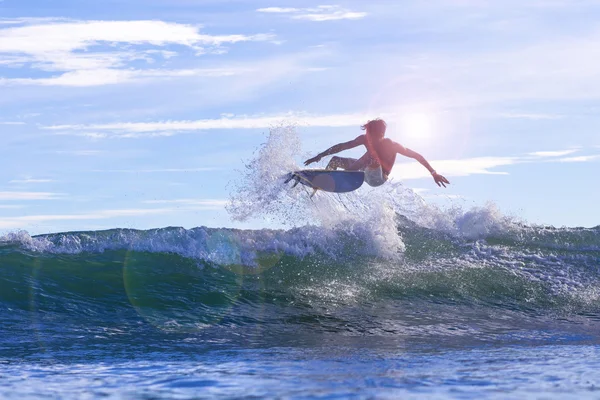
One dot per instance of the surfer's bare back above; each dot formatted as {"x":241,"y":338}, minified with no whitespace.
{"x":378,"y":161}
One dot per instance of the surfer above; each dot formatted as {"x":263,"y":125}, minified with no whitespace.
{"x":378,"y":161}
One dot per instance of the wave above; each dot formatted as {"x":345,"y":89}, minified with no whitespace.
{"x":203,"y":275}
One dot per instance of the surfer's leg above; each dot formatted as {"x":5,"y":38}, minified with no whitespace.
{"x":358,"y":165}
{"x":340,"y":162}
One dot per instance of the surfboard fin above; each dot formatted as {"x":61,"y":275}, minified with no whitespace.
{"x":289,"y":177}
{"x":313,"y":193}
{"x":293,"y":176}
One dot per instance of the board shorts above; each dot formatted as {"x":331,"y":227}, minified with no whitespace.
{"x":375,"y":176}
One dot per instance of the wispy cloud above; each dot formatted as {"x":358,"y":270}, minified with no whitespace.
{"x":120,"y":135}
{"x":449,"y":168}
{"x":12,"y":196}
{"x":11,"y":206}
{"x":65,"y":38}
{"x":317,"y":14}
{"x":79,"y":49}
{"x":23,"y":221}
{"x":279,"y":10}
{"x":229,"y":121}
{"x":154,"y":170}
{"x":89,"y":135}
{"x":481,"y":165}
{"x":31,"y":180}
{"x":531,"y":116}
{"x":30,"y":20}
{"x":99,"y":77}
{"x":580,"y":158}
{"x":11,"y":123}
{"x":31,"y":220}
{"x":125,"y":129}
{"x":558,"y":153}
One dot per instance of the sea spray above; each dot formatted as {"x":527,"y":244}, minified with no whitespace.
{"x":369,"y":214}
{"x":261,"y":193}
{"x":258,"y":192}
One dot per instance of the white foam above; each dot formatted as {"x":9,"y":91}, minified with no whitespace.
{"x":218,"y":246}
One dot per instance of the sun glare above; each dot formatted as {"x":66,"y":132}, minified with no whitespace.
{"x":417,"y":127}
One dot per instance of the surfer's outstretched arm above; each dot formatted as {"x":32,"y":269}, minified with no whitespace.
{"x":439,"y":179}
{"x":360,"y":140}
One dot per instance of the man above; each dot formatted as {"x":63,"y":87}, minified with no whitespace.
{"x":378,"y":161}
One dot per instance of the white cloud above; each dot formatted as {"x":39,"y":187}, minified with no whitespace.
{"x":558,"y":153}
{"x":337,"y":15}
{"x":149,"y":171}
{"x":98,"y":77}
{"x":53,"y":39}
{"x":11,"y":123}
{"x":31,"y":180}
{"x":125,"y":129}
{"x":28,"y":220}
{"x":90,"y":135}
{"x":32,"y":20}
{"x":531,"y":116}
{"x":279,"y":10}
{"x":480,"y":165}
{"x":230,"y":121}
{"x":317,"y":14}
{"x":449,"y":168}
{"x":60,"y":46}
{"x":29,"y":196}
{"x":580,"y":158}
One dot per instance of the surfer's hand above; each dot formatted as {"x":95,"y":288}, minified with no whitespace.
{"x":312,"y":160}
{"x":440,"y":180}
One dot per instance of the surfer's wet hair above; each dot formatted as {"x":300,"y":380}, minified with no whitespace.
{"x":375,"y":127}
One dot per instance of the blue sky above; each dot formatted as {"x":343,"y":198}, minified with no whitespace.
{"x":139,"y":113}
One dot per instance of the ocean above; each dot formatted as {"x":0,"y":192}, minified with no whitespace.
{"x":300,"y":313}
{"x":371,"y":294}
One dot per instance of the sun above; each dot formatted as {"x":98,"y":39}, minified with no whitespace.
{"x":416,"y":126}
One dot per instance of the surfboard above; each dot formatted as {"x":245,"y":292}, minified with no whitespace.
{"x":327,"y":180}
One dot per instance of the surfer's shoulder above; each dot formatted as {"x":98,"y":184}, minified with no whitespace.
{"x":393,"y":144}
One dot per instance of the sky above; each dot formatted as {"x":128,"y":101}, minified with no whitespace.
{"x":140,"y":114}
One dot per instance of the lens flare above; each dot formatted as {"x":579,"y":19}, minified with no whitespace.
{"x":203,"y":294}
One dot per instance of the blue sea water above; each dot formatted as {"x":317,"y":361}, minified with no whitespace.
{"x":308,"y":312}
